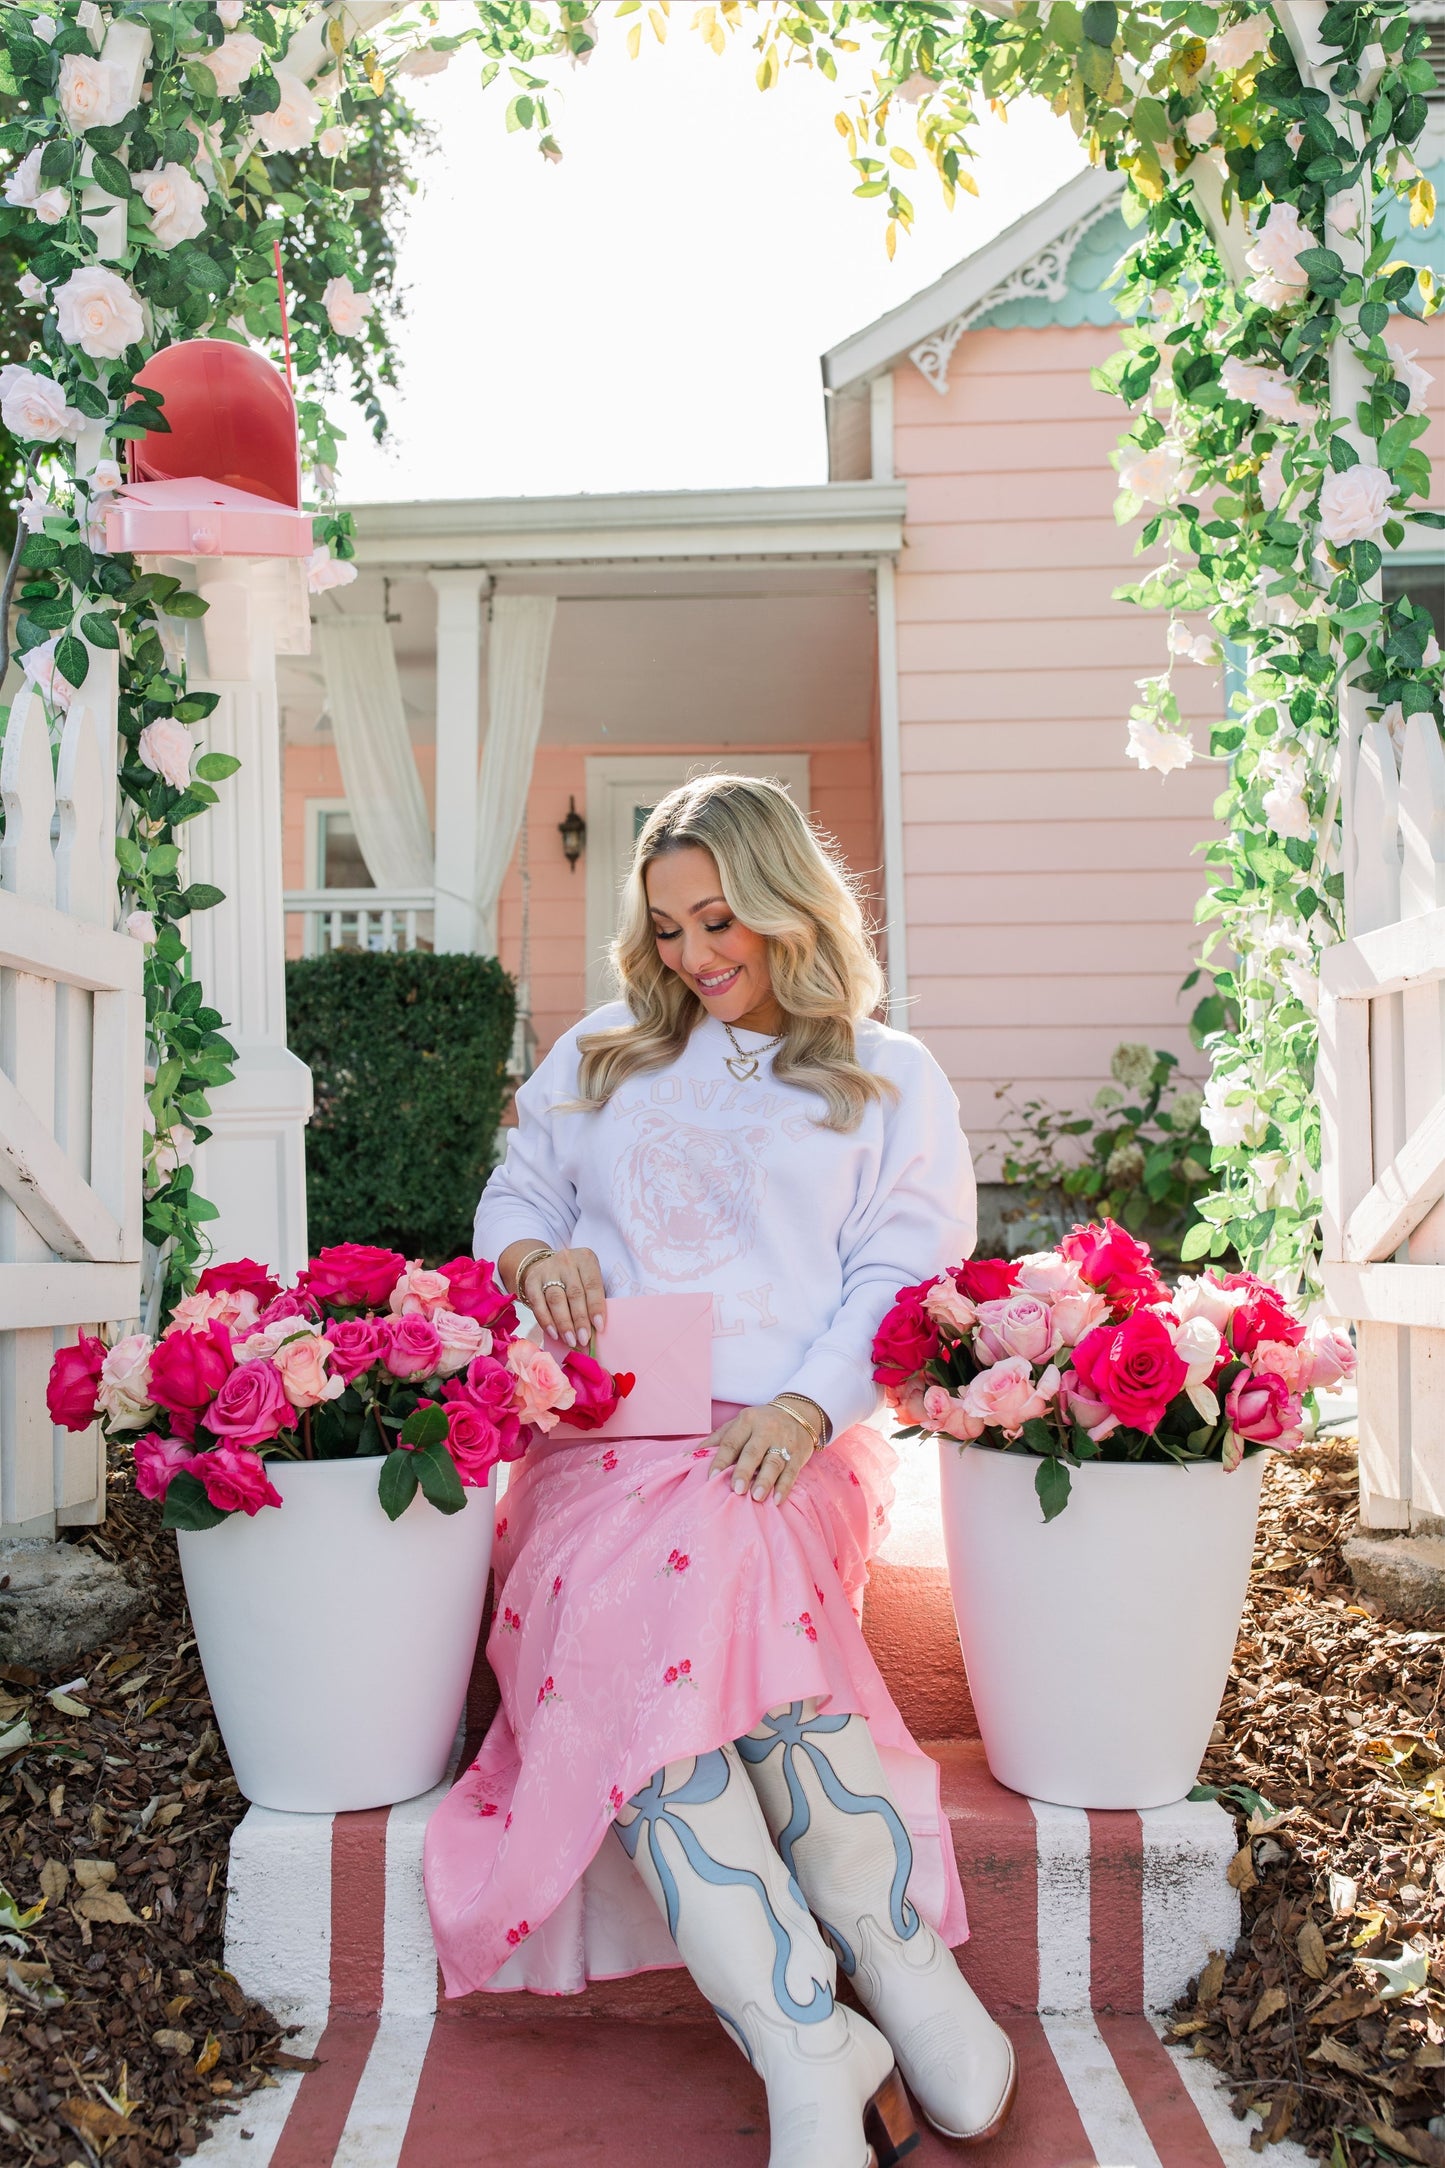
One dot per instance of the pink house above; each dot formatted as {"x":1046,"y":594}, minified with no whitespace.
{"x":926,"y":648}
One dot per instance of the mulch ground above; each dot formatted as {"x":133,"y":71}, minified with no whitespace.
{"x":122,"y":2036}
{"x":1329,"y":2014}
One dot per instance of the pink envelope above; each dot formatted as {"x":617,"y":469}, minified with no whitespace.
{"x":666,"y":1342}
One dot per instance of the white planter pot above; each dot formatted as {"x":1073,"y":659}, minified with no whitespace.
{"x":1097,"y":1645}
{"x":337,"y":1644}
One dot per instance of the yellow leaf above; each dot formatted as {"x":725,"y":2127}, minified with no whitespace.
{"x":905,"y":158}
{"x":336,"y":36}
{"x":634,"y":41}
{"x":377,"y":80}
{"x":209,"y":2056}
{"x":1422,"y":202}
{"x":1370,"y":1925}
{"x":1312,"y":1955}
{"x":659,"y":24}
{"x":890,"y":238}
{"x":66,"y":1703}
{"x":1431,"y":1794}
{"x":967,"y":183}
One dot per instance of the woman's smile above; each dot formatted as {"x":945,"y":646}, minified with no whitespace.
{"x":724,"y":962}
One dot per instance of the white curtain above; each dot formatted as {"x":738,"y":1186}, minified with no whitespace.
{"x":517,"y":648}
{"x":378,"y":771}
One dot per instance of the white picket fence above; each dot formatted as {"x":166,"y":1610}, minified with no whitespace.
{"x":72,"y":1083}
{"x":362,"y":918}
{"x":1382,"y":1100}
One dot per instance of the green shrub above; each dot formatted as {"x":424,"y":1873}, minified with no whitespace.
{"x":408,"y":1054}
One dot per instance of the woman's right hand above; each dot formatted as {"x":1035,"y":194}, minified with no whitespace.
{"x":564,"y":1292}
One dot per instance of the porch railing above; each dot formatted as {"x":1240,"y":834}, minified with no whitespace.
{"x":361,"y":918}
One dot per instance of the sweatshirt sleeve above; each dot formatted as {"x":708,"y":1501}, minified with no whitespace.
{"x":530,"y":1195}
{"x":920,"y":1216}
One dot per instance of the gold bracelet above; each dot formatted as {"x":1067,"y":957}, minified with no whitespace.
{"x":815,"y":1437}
{"x":533,"y":1257}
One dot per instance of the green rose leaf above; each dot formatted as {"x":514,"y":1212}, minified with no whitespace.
{"x":100,"y":631}
{"x":187,"y":1505}
{"x":425,"y":1426}
{"x":108,"y":173}
{"x":437,"y":1473}
{"x":215,"y":767}
{"x":396,"y":1485}
{"x":71,"y":659}
{"x":1051,"y":1482}
{"x":184,"y":604}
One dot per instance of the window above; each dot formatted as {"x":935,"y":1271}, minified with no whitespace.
{"x":339,"y":863}
{"x":1422,"y":580}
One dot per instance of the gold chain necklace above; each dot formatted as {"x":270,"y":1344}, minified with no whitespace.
{"x":742,"y":1064}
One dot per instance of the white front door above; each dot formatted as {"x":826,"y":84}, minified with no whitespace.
{"x":622,"y":790}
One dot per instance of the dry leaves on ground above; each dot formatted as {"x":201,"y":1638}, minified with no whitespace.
{"x":1329,"y":2014}
{"x":121,"y":2033}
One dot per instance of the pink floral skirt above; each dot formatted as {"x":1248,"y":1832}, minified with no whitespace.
{"x":645,"y":1612}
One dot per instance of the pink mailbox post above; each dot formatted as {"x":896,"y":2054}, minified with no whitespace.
{"x":216,"y":499}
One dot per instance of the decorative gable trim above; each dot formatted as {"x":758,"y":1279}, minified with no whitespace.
{"x":1043,"y":277}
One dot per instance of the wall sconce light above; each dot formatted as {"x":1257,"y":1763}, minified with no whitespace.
{"x":573,"y":831}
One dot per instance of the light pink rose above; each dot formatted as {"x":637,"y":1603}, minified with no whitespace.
{"x":462,"y":1339}
{"x":24,"y":190}
{"x":1078,"y":1406}
{"x":1074,"y":1315}
{"x":165,"y":747}
{"x":302,"y":1363}
{"x":1045,"y":1272}
{"x":1205,"y":1298}
{"x":1016,"y":1325}
{"x":263,"y":1344}
{"x":941,"y":1412}
{"x":1281,"y":1360}
{"x":542,"y":1390}
{"x":346,"y":309}
{"x":1327,"y":1357}
{"x":419,"y":1291}
{"x":1005,"y":1397}
{"x":236,"y":1307}
{"x":294,"y":122}
{"x":230,"y":12}
{"x":124,"y":1396}
{"x":1355,"y":505}
{"x":34,"y":406}
{"x":906,"y":1401}
{"x":232,"y":61}
{"x":176,"y":201}
{"x":948,"y":1307}
{"x":1154,"y":474}
{"x":92,"y":92}
{"x":98,"y":312}
{"x":1198,"y":1344}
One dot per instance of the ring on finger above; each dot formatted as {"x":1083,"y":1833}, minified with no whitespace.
{"x":554,"y":1283}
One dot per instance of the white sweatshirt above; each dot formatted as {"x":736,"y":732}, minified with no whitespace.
{"x":689,"y":1182}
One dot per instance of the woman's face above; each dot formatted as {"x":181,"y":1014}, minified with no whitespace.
{"x":724,"y":962}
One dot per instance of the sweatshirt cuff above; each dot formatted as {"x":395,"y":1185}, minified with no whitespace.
{"x":841,"y":1390}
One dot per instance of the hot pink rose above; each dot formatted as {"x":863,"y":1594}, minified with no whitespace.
{"x":356,"y":1343}
{"x":74,"y":1377}
{"x":493,"y":1386}
{"x":1262,"y":1315}
{"x":244,"y":1275}
{"x":1005,"y":1396}
{"x":950,"y":1309}
{"x":1110,"y":1259}
{"x":474,"y":1290}
{"x":233,"y":1307}
{"x":353,"y":1274}
{"x":986,"y":1279}
{"x":1132,"y":1368}
{"x":906,"y":1339}
{"x":236,"y":1480}
{"x":125,"y":1399}
{"x":1016,"y":1324}
{"x":1328,"y":1357}
{"x":414,"y":1347}
{"x":290,"y":1303}
{"x":1076,"y":1405}
{"x":157,"y":1461}
{"x":941,"y":1412}
{"x":1259,"y":1406}
{"x":595,"y":1394}
{"x":1076,"y":1314}
{"x":543,"y":1393}
{"x":305,"y":1376}
{"x":473,"y":1439}
{"x":462,"y":1339}
{"x":418,"y":1290}
{"x":250,"y":1408}
{"x":187,"y":1370}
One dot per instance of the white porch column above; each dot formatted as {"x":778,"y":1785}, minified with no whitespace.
{"x":458,"y":741}
{"x":253,"y":1167}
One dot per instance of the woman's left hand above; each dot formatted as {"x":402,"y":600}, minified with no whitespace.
{"x":765,"y":1449}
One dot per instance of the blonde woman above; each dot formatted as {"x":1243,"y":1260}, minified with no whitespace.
{"x":695,"y":1752}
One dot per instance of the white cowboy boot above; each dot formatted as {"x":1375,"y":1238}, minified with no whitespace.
{"x":702,"y":1847}
{"x":826,"y":1800}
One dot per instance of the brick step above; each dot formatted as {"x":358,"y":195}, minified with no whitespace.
{"x":1070,"y":1911}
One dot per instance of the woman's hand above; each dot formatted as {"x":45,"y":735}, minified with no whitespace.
{"x":765,"y":1449}
{"x":563,"y":1290}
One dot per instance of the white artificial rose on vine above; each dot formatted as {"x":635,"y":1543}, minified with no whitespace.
{"x":293,"y":124}
{"x":1283,"y":773}
{"x":24,"y":190}
{"x":165,"y":747}
{"x":1156,"y":748}
{"x":1153,"y":474}
{"x":1233,"y":47}
{"x":1355,"y":505}
{"x":346,"y":309}
{"x":1415,"y":377}
{"x":92,"y":93}
{"x":176,"y":201}
{"x":1231,"y":1114}
{"x":233,"y":61}
{"x":98,"y":312}
{"x":1268,"y":389}
{"x":1278,"y":246}
{"x":34,"y":408}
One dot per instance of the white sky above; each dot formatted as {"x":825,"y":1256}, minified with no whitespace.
{"x":649,"y":313}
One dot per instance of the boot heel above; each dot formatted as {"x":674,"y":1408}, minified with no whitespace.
{"x":888,"y":2122}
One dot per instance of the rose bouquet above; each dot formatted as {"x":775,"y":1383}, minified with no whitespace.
{"x":369,"y":1354}
{"x":1083,"y":1353}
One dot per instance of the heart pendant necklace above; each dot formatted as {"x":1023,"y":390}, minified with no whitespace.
{"x":740,"y":1063}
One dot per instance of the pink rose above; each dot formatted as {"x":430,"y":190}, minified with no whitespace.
{"x":356,"y":1343}
{"x":594,"y":1391}
{"x":353,"y":1274}
{"x":986,"y":1279}
{"x":74,"y":1377}
{"x":906,"y":1401}
{"x":414,"y":1347}
{"x":1262,"y":1315}
{"x":243,"y":1275}
{"x":1282,"y":1361}
{"x":418,"y":1290}
{"x":474,"y":1290}
{"x":290,"y":1303}
{"x":1132,"y":1368}
{"x":187,"y":1371}
{"x":1110,"y":1259}
{"x":1259,"y":1406}
{"x":1076,"y":1314}
{"x":473,"y":1439}
{"x":542,"y":1391}
{"x":1005,"y":1397}
{"x":950,"y":1309}
{"x":1017,"y":1324}
{"x":906,"y":1339}
{"x":1328,"y":1357}
{"x":157,"y":1461}
{"x":1078,"y":1406}
{"x":462,"y":1339}
{"x":302,"y":1367}
{"x":124,"y":1398}
{"x":250,"y":1408}
{"x":236,"y":1480}
{"x":262,"y":1344}
{"x":941,"y":1412}
{"x":1048,"y":1272}
{"x":492,"y":1385}
{"x":232,"y":1307}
